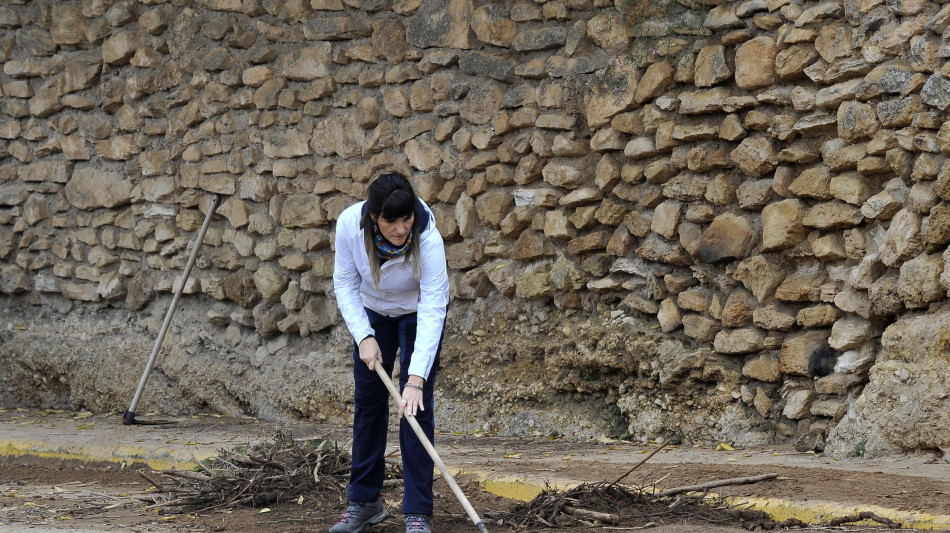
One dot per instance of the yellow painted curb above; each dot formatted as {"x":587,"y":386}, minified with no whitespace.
{"x":811,"y":512}
{"x":821,"y":512}
{"x":124,"y":454}
{"x":513,"y":487}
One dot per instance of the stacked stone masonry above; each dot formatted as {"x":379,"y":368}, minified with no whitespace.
{"x":767,"y":181}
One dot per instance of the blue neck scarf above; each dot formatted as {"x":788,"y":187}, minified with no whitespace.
{"x":388,"y":250}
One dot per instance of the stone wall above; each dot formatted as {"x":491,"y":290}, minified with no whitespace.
{"x":688,"y":225}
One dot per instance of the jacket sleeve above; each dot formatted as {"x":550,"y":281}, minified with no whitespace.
{"x":433,"y":303}
{"x":347,"y":279}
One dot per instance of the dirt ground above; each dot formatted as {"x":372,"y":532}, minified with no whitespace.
{"x":918,"y":485}
{"x":60,"y":494}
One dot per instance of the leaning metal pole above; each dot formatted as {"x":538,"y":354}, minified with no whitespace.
{"x":129,"y":417}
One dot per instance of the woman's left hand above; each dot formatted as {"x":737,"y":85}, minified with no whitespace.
{"x":411,"y":401}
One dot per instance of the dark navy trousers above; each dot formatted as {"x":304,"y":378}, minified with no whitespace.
{"x":371,"y":419}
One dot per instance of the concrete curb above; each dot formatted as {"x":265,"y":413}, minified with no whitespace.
{"x":512,"y":487}
{"x":820,"y":512}
{"x":167,"y":459}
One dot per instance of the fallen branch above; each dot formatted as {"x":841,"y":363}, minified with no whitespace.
{"x":593,"y":515}
{"x":645,"y":459}
{"x":265,"y":462}
{"x":185,"y":474}
{"x":717,"y":483}
{"x":866,"y":515}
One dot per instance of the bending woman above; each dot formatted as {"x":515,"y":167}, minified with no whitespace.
{"x":392,"y":288}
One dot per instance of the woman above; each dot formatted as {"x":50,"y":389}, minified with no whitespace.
{"x":392,"y":288}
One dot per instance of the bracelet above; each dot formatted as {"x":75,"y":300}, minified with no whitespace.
{"x":413,"y":385}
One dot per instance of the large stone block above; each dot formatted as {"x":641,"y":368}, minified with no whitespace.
{"x":120,"y":48}
{"x":658,"y":249}
{"x":302,"y":211}
{"x":737,"y":311}
{"x":755,"y":156}
{"x":493,"y":206}
{"x":797,"y":404}
{"x":532,"y":245}
{"x":729,"y":236}
{"x":532,"y":40}
{"x":711,"y":66}
{"x":791,"y":62}
{"x":807,"y":354}
{"x":936,"y":92}
{"x":482,"y":103}
{"x":535,"y":285}
{"x":441,"y":23}
{"x":610,"y":95}
{"x":755,"y":63}
{"x":902,"y":240}
{"x":308,"y":63}
{"x":567,"y":275}
{"x":46,"y":171}
{"x":765,"y":368}
{"x":919,"y":282}
{"x":857,"y":120}
{"x":700,"y":327}
{"x":654,"y":82}
{"x":760,"y":275}
{"x":118,"y":148}
{"x":564,"y":173}
{"x":324,"y":29}
{"x":782,"y":225}
{"x":609,"y":31}
{"x":90,"y":189}
{"x":832,"y":216}
{"x":739,"y":341}
{"x":850,"y":333}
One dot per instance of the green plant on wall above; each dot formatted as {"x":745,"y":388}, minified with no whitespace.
{"x":663,"y":29}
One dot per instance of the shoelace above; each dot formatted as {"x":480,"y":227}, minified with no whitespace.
{"x":346,"y":515}
{"x":417,"y":522}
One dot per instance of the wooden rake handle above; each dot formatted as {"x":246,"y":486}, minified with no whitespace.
{"x":432,"y":453}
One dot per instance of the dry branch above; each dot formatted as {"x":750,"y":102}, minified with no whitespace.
{"x":593,"y":515}
{"x":717,"y":483}
{"x":185,"y":474}
{"x":645,"y":459}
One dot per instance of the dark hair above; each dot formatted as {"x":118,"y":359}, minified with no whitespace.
{"x":390,"y":196}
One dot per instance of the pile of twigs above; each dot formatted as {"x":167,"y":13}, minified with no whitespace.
{"x":280,"y":470}
{"x":606,"y":505}
{"x":590,"y":504}
{"x":612,"y":504}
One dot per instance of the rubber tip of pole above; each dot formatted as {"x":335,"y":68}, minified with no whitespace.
{"x":128,"y":418}
{"x":481,"y":527}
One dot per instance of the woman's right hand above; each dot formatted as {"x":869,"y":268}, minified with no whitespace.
{"x":370,"y":353}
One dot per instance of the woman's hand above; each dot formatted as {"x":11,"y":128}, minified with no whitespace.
{"x":411,"y":399}
{"x":370,"y":353}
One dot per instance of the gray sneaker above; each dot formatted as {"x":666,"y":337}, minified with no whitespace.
{"x":418,"y":523}
{"x":358,"y":515}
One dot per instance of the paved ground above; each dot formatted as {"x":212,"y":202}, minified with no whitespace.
{"x":912,"y":490}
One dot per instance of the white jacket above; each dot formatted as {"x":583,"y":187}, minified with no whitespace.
{"x":399,"y":293}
